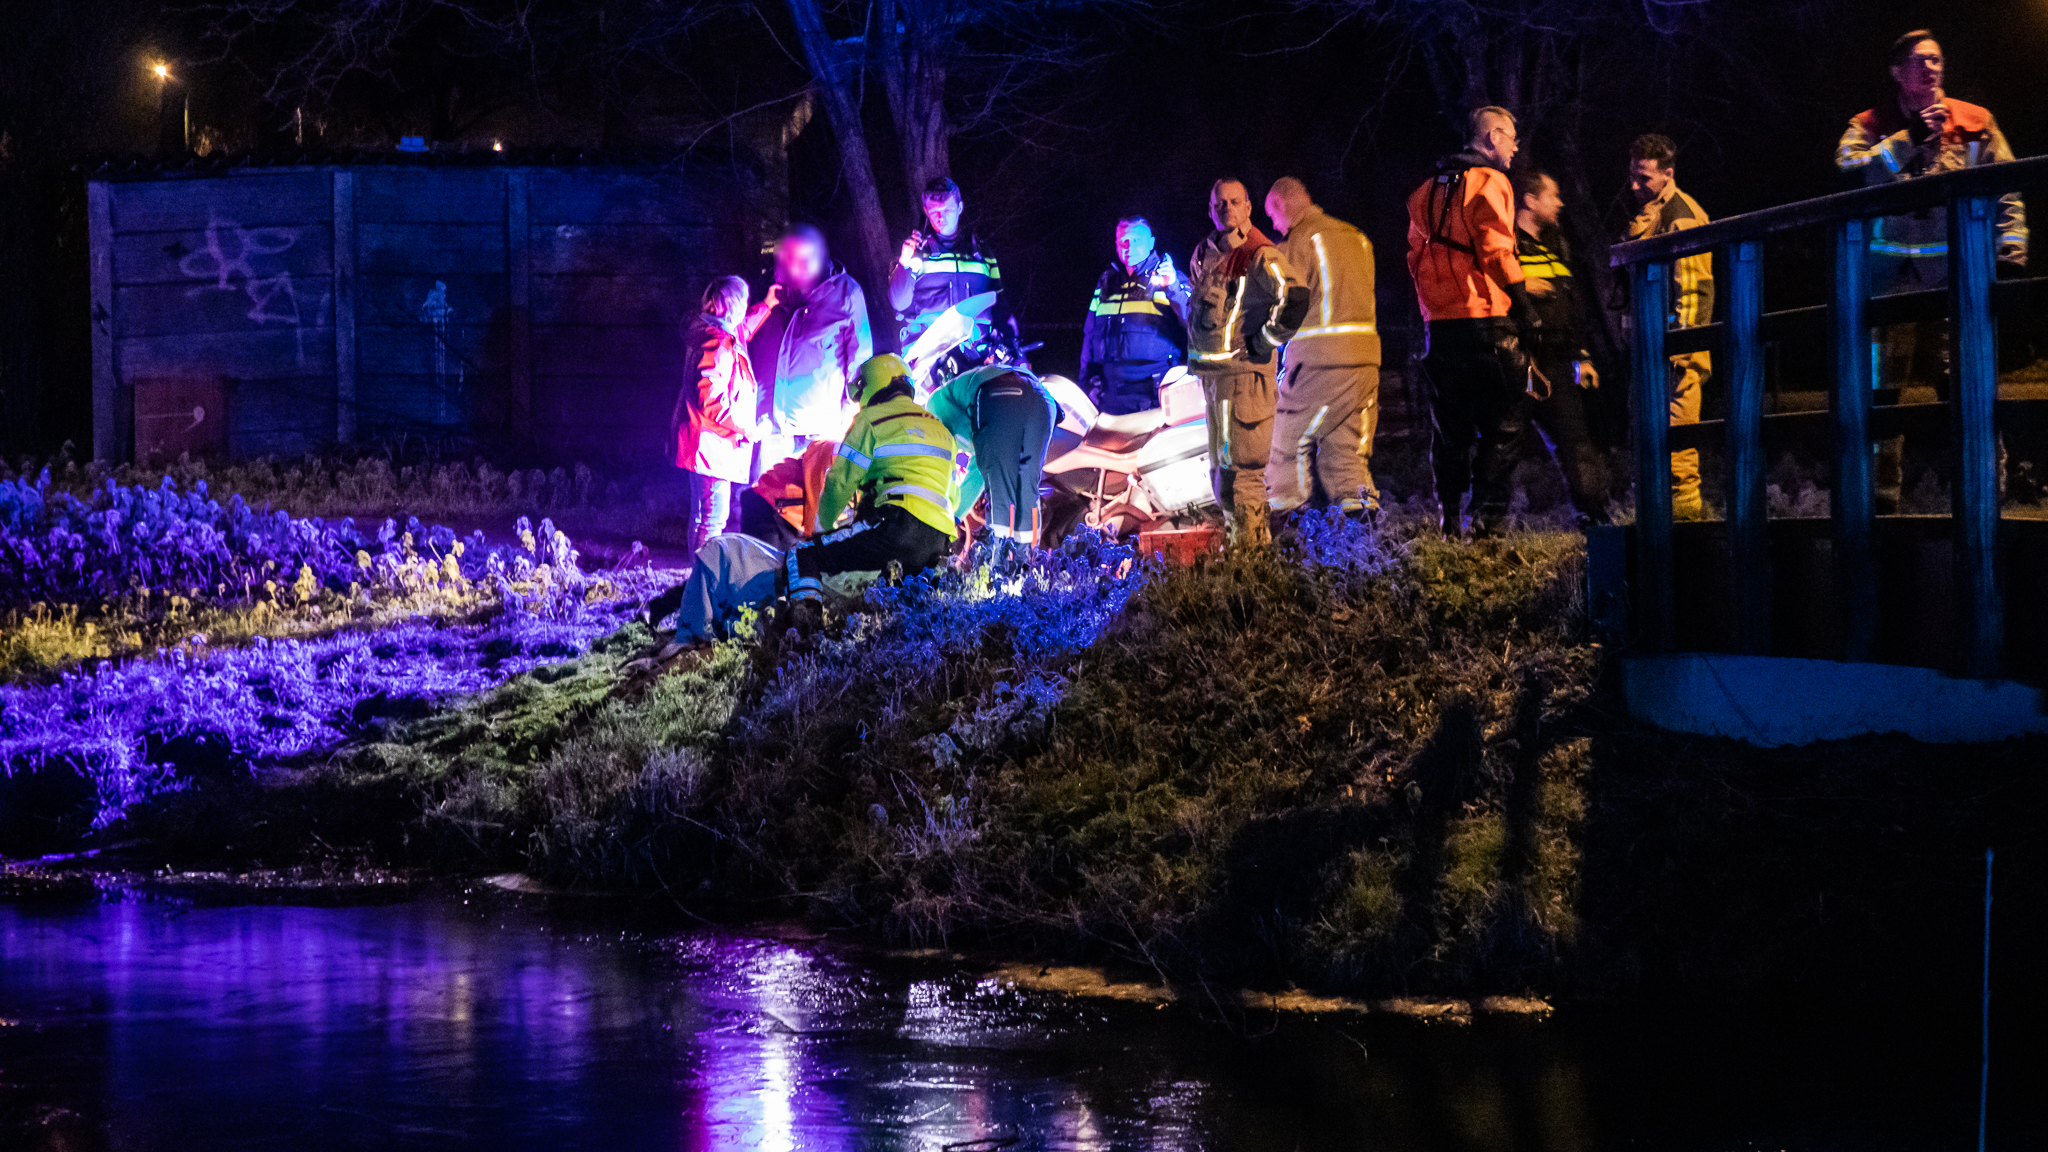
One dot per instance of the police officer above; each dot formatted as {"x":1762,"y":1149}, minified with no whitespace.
{"x":1559,"y":344}
{"x":942,"y":267}
{"x":1134,"y":332}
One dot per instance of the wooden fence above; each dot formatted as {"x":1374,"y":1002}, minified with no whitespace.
{"x":259,"y":310}
{"x":1753,"y":551}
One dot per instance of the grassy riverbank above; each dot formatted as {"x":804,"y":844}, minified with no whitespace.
{"x":1372,"y":765}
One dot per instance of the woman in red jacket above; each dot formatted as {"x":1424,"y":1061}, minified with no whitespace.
{"x":715,"y":414}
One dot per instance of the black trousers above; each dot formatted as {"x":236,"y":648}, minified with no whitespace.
{"x":890,"y":533}
{"x":1478,"y":410}
{"x":1012,"y":425}
{"x":1562,"y":419}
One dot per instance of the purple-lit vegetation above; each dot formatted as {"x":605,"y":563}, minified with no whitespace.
{"x":1354,"y":743}
{"x":1109,"y":754}
{"x":315,"y":626}
{"x":58,"y":548}
{"x":468,"y":492}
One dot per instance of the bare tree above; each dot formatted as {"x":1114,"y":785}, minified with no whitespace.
{"x":947,"y":68}
{"x":470,"y":58}
{"x":836,"y":71}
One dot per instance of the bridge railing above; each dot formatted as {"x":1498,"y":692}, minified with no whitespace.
{"x":1970,"y":197}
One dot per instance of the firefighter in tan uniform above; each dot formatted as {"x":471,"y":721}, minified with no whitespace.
{"x":1330,"y":380}
{"x":1662,"y":208}
{"x":1244,"y":305}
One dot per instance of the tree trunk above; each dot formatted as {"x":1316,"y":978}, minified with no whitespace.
{"x":914,"y":74}
{"x":869,"y":257}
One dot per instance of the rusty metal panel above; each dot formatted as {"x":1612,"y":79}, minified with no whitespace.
{"x":177,"y":415}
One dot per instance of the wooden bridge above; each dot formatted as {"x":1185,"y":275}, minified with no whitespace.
{"x":1963,"y":593}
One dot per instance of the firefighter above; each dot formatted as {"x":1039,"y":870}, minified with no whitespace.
{"x":1134,"y":333}
{"x":1001,"y":419}
{"x":1921,"y":130}
{"x":1243,"y":305}
{"x":1461,"y":253}
{"x":1330,"y":382}
{"x":1661,"y":209}
{"x":898,"y":462}
{"x":942,"y":267}
{"x":1560,"y":350}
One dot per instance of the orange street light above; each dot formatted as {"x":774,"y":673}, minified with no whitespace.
{"x":163,"y":71}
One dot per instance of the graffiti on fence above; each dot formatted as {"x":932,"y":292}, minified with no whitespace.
{"x":435,"y":313}
{"x":229,"y":259}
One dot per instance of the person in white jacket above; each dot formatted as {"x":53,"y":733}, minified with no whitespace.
{"x":809,"y":341}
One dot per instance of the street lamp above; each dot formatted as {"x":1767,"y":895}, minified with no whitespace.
{"x":172,"y":133}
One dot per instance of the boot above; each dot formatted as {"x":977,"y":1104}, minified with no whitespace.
{"x":807,"y":616}
{"x":1251,"y":527}
{"x":1362,"y":512}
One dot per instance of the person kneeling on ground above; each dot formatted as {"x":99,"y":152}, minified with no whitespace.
{"x":898,"y":461}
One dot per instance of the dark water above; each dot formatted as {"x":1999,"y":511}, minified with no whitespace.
{"x":453,"y":1022}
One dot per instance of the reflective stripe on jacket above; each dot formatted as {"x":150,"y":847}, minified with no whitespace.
{"x":1131,"y":322}
{"x":1881,"y":146}
{"x":1692,"y":277}
{"x":951,"y":271}
{"x":1559,"y":308}
{"x":1461,"y":240}
{"x":1335,"y":261}
{"x":1244,"y":302}
{"x":895,"y":453}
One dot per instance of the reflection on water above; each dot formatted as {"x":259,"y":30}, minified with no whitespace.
{"x":436,"y":1023}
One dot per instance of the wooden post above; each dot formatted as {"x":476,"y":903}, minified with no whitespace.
{"x":519,"y":299}
{"x":1656,"y":627}
{"x":344,"y":306}
{"x":1748,"y":514}
{"x":1971,"y":270}
{"x":108,"y":437}
{"x":1853,"y":508}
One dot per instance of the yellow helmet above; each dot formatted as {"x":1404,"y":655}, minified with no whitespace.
{"x":878,"y":373}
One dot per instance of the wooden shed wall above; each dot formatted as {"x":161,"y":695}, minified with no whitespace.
{"x":306,"y":299}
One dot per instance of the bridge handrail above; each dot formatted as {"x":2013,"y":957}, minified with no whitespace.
{"x":1861,"y":203}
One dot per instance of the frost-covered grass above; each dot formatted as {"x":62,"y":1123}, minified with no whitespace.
{"x":644,"y":504}
{"x":1347,"y":763}
{"x":128,"y":571}
{"x":140,"y":619}
{"x":270,"y":702}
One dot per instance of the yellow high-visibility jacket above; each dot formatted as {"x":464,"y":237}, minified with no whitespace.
{"x":895,"y":453}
